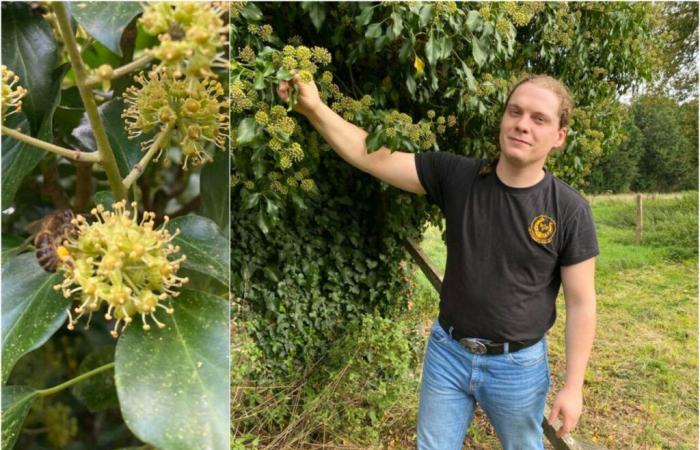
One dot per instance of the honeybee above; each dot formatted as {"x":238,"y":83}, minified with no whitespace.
{"x":51,"y":231}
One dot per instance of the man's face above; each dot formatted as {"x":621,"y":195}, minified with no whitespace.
{"x":530,"y":126}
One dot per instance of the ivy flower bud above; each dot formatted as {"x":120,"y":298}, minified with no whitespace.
{"x":122,"y":262}
{"x":12,"y":93}
{"x":194,"y":108}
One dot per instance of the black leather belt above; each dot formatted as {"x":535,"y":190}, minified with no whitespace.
{"x":484,"y":346}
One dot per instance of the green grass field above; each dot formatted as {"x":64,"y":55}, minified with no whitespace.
{"x":641,"y":387}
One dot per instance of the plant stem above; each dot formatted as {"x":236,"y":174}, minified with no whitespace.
{"x":72,"y":381}
{"x":141,"y":165}
{"x":93,"y":80}
{"x":108,"y":161}
{"x":75,"y":155}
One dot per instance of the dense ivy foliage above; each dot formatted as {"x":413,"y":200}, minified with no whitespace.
{"x":304,"y":261}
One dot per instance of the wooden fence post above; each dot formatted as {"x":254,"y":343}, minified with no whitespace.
{"x":640,"y":219}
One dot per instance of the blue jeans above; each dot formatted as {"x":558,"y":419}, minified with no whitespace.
{"x":511,"y":389}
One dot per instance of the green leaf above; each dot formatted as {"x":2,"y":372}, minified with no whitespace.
{"x":397,"y":24}
{"x":19,"y":159}
{"x":411,"y":84}
{"x":405,"y":51}
{"x":250,"y":201}
{"x":425,"y":14}
{"x":32,"y":310}
{"x":473,"y":20}
{"x":374,"y":30}
{"x":106,"y":198}
{"x":126,"y":151}
{"x":105,"y":21}
{"x":261,"y":222}
{"x":251,"y":12}
{"x":11,"y":245}
{"x":213,"y":190}
{"x":172,"y":383}
{"x":477,"y":52}
{"x":364,"y":18}
{"x":246,"y":131}
{"x":317,"y":13}
{"x":431,"y":50}
{"x":374,"y":140}
{"x":205,"y":245}
{"x":97,"y":393}
{"x":29,"y":50}
{"x":16,"y":401}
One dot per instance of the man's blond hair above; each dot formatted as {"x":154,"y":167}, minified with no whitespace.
{"x":566,"y":100}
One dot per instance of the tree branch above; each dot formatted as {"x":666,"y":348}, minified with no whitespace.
{"x":74,"y":155}
{"x":141,"y":165}
{"x":94,"y":80}
{"x":109,"y":162}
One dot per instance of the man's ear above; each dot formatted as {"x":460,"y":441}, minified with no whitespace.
{"x":561,"y":136}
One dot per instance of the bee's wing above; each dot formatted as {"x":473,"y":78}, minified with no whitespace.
{"x":33,"y":227}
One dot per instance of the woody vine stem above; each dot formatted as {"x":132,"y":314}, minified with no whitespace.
{"x":109,"y":162}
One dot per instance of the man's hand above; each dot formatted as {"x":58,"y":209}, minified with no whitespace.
{"x":569,"y":403}
{"x":308,"y":100}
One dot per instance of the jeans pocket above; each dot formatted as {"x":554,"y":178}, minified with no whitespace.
{"x":530,"y":356}
{"x":437,"y":334}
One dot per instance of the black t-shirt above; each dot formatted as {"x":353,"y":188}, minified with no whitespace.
{"x":505,"y":246}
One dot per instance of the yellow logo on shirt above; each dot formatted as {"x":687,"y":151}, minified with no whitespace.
{"x":542,"y":229}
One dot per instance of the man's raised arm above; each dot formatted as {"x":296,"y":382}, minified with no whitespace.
{"x":395,"y":168}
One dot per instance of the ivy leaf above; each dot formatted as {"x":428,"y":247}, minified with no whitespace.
{"x":11,"y":245}
{"x":127,"y":151}
{"x":215,"y":202}
{"x":374,"y":140}
{"x":29,"y":50}
{"x":477,"y":52}
{"x":365,"y":16}
{"x":411,"y":84}
{"x":205,"y":245}
{"x":246,"y":131}
{"x":473,"y":20}
{"x":97,"y":393}
{"x":19,"y":159}
{"x":32,"y":310}
{"x":106,"y":198}
{"x":251,"y":12}
{"x":397,"y":24}
{"x":431,"y":51}
{"x":172,"y":383}
{"x":374,"y":31}
{"x":317,"y":13}
{"x":405,"y":51}
{"x":105,"y":21}
{"x":16,"y":401}
{"x":419,"y":66}
{"x":261,"y":222}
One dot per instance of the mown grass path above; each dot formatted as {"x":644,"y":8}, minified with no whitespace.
{"x":641,"y":387}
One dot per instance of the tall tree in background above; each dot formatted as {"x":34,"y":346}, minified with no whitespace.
{"x":678,"y":77}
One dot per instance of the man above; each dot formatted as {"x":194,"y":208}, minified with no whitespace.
{"x":515,"y":233}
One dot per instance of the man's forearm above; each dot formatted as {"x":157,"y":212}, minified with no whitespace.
{"x":345,"y":138}
{"x":580,"y":331}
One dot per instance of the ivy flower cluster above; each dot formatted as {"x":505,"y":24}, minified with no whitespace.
{"x":194,"y":108}
{"x":401,"y":123}
{"x":12,"y":92}
{"x":302,"y":59}
{"x":122,"y":262}
{"x":190,"y":35}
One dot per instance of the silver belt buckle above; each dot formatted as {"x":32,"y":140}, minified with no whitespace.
{"x":473,"y":345}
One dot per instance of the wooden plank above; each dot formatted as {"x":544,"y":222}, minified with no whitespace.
{"x":420,"y":258}
{"x":568,"y":442}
